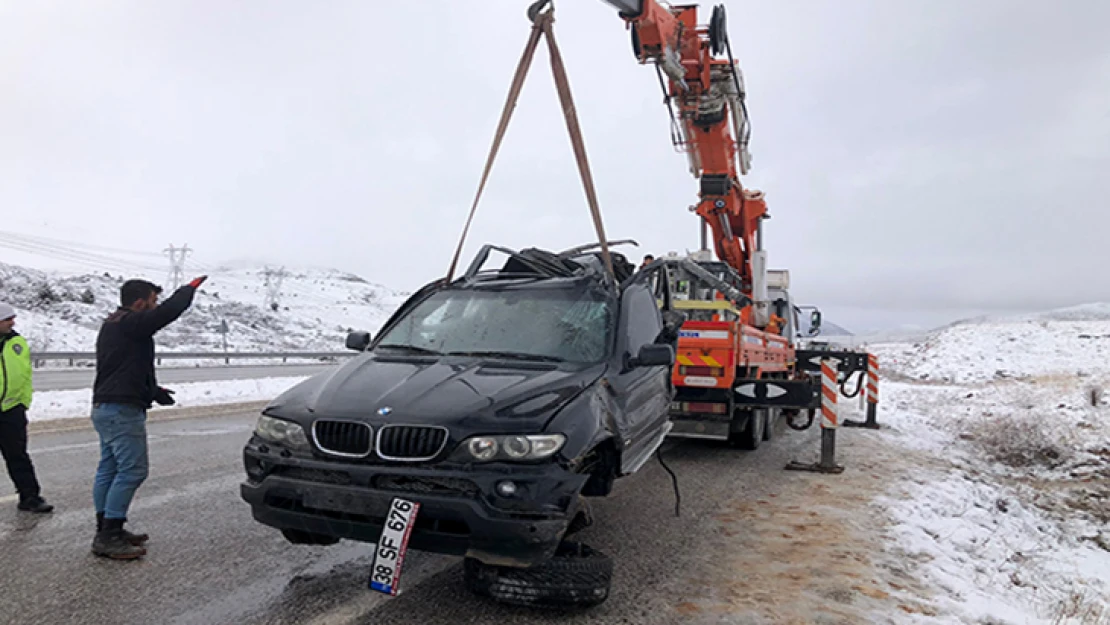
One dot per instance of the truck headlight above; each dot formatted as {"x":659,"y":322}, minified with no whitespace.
{"x":282,"y":432}
{"x":513,"y":447}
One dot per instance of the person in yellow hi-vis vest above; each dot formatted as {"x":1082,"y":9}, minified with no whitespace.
{"x":15,"y":399}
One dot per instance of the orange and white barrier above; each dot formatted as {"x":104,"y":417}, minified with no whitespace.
{"x":872,"y":379}
{"x":869,"y":396}
{"x":829,"y":416}
{"x":830,"y":420}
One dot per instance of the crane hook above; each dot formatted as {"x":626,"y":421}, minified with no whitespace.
{"x":534,"y":10}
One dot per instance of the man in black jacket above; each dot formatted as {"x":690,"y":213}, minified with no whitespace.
{"x":124,"y":389}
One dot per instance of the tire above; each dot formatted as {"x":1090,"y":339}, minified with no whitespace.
{"x":300,"y":537}
{"x":577,"y":576}
{"x":752,"y":435}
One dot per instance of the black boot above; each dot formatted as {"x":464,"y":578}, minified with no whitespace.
{"x":134,"y":539}
{"x":35,"y":504}
{"x":111,"y":543}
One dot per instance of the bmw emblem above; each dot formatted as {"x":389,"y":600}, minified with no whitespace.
{"x":384,"y":410}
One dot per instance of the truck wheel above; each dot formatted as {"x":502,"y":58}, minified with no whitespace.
{"x":300,"y":537}
{"x":577,"y":576}
{"x":752,"y":434}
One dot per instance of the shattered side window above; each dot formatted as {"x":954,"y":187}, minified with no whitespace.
{"x":643,"y":321}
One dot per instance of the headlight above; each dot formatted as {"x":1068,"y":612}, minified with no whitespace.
{"x":515,"y":447}
{"x":282,"y":432}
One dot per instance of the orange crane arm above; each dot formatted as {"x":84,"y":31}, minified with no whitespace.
{"x":712,"y":126}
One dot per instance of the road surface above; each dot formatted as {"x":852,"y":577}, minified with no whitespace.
{"x":209,"y":563}
{"x":65,"y":379}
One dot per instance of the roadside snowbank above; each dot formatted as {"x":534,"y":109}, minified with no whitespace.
{"x":50,"y":405}
{"x":1011,"y":515}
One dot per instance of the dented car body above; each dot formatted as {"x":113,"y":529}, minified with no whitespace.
{"x":496,"y":401}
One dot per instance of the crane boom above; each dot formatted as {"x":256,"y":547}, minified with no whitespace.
{"x":712,"y":125}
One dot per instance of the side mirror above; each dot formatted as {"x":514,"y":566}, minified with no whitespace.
{"x":672,"y":325}
{"x":358,"y":341}
{"x":814,"y":322}
{"x":653,"y":356}
{"x":673,"y":320}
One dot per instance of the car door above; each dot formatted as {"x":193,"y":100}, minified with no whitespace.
{"x":643,"y":394}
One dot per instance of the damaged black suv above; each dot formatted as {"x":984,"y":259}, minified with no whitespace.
{"x":497,"y":401}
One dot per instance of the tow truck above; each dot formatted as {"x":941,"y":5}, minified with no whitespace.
{"x":738,"y":366}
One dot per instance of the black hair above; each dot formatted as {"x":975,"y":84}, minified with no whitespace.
{"x":135,"y":290}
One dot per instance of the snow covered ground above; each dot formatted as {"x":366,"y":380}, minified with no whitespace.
{"x":1009,"y":512}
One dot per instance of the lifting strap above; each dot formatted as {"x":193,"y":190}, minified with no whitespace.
{"x":542,"y":25}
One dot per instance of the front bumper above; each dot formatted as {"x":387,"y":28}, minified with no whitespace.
{"x":460,"y":510}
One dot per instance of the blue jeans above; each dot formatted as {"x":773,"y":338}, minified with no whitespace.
{"x":123,"y":457}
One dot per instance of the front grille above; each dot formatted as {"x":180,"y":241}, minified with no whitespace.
{"x":411,"y":442}
{"x":426,"y":485}
{"x":342,"y":438}
{"x":324,"y":476}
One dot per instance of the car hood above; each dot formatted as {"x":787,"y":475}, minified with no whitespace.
{"x":483,"y":396}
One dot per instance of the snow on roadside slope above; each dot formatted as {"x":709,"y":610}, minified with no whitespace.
{"x":1013,"y":519}
{"x":50,"y":405}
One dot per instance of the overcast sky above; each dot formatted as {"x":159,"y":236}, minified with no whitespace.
{"x":922,"y":160}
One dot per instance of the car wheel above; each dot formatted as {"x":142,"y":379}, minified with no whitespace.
{"x":577,"y":576}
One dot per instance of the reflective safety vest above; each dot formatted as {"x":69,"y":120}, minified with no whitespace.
{"x":15,"y":372}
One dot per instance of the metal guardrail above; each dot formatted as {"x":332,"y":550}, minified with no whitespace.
{"x":74,"y":357}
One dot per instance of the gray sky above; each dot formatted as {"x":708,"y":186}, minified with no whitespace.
{"x":922,"y":160}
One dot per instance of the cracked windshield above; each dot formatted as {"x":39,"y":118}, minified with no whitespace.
{"x":556,"y":325}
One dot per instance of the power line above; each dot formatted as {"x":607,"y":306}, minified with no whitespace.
{"x":73,"y":244}
{"x":83,"y":258}
{"x":62,"y":250}
{"x":80,"y":253}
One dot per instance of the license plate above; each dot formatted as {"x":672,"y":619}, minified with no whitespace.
{"x":389,"y":554}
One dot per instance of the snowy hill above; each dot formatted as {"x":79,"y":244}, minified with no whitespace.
{"x":62,"y":311}
{"x":1066,"y":341}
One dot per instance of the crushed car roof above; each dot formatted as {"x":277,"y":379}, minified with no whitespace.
{"x":533,"y":264}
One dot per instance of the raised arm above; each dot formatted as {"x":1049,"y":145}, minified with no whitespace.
{"x":147,"y":322}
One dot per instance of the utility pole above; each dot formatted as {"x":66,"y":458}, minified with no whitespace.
{"x":177,"y":264}
{"x":273,"y":286}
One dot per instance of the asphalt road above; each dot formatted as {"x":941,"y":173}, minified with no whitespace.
{"x":64,"y":379}
{"x":209,"y":563}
